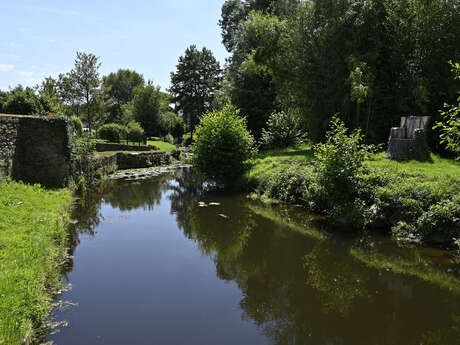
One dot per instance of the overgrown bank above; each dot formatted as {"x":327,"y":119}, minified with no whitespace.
{"x":418,"y":202}
{"x":33,"y":228}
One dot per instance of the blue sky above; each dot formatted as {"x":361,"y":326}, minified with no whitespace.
{"x":40,"y":38}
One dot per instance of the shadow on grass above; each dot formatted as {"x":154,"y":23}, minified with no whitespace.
{"x":286,"y":153}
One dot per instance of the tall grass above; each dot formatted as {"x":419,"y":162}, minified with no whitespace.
{"x":32,"y":241}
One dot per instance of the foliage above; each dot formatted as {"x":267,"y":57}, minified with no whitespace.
{"x":168,"y":138}
{"x":450,"y":128}
{"x":223,"y":145}
{"x":33,"y":231}
{"x":86,"y":81}
{"x":112,"y":132}
{"x":338,"y":166}
{"x":134,"y":132}
{"x":24,"y":101}
{"x":304,"y":50}
{"x":283,"y":130}
{"x":172,"y":124}
{"x":146,"y":108}
{"x":416,"y":201}
{"x":194,"y":84}
{"x":119,"y":88}
{"x":77,"y":125}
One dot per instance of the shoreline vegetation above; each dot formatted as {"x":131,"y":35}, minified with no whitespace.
{"x":415,"y":202}
{"x":33,"y":239}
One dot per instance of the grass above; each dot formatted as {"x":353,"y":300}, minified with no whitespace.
{"x":154,"y":141}
{"x":32,"y":240}
{"x":436,"y":168}
{"x":270,"y":162}
{"x":267,"y":163}
{"x":163,"y":146}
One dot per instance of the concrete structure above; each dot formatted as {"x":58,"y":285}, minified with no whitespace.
{"x":408,"y":141}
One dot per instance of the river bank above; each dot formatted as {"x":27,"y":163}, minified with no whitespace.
{"x":33,"y":240}
{"x":418,"y":202}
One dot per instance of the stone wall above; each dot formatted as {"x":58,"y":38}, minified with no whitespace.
{"x":104,"y":147}
{"x":35,"y":149}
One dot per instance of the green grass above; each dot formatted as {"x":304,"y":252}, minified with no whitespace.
{"x":432,"y":170}
{"x":32,"y":240}
{"x":267,"y":163}
{"x":163,"y":146}
{"x":154,"y":141}
{"x":270,"y":162}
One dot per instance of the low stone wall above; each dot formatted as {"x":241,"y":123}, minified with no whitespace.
{"x":142,"y":160}
{"x":35,"y":149}
{"x":104,"y":147}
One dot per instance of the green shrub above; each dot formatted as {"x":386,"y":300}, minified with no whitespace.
{"x":172,"y":124}
{"x":112,"y":132}
{"x":283,"y":130}
{"x":77,"y":125}
{"x":168,"y":138}
{"x":223,"y":145}
{"x":441,"y":223}
{"x":290,"y":185}
{"x":337,"y":170}
{"x":135,"y":133}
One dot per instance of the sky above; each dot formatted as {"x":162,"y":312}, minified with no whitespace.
{"x":40,"y":38}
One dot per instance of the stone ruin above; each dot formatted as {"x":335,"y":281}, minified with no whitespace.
{"x":408,"y":142}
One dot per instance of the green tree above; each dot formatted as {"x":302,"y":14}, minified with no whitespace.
{"x":70,"y":96}
{"x":146,"y":106}
{"x":194,"y":84}
{"x":85,"y":74}
{"x":223,"y":145}
{"x":450,"y":127}
{"x":119,"y":88}
{"x":24,"y":101}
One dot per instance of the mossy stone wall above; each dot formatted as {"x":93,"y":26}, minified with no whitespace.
{"x":35,"y":149}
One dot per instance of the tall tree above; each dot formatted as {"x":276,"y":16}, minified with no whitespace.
{"x":118,"y":88}
{"x":194,"y":84}
{"x":86,"y":76}
{"x":25,"y":101}
{"x":69,"y":95}
{"x":146,"y":106}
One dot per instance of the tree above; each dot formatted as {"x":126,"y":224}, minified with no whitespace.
{"x":450,"y":127}
{"x":24,"y":101}
{"x":223,"y":146}
{"x":87,"y":82}
{"x":145,"y":108}
{"x":195,"y":84}
{"x":118,"y":88}
{"x":69,"y":95}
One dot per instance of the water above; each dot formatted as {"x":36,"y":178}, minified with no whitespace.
{"x":156,"y":263}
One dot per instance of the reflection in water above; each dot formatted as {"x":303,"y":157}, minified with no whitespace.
{"x":298,"y":284}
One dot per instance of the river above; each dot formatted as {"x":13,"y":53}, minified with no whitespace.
{"x":169,"y":261}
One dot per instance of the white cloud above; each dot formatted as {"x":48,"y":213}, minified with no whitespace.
{"x":6,"y":67}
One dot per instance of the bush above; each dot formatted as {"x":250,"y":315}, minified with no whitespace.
{"x":112,"y":132}
{"x":172,"y":124}
{"x":223,"y":145}
{"x":337,"y":171}
{"x":283,"y":130}
{"x":290,"y":185}
{"x":135,"y":133}
{"x":168,"y":138}
{"x":77,"y":125}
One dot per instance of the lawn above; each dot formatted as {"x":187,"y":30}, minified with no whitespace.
{"x":266,"y":163}
{"x":33,"y":227}
{"x":162,"y":145}
{"x":154,"y":141}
